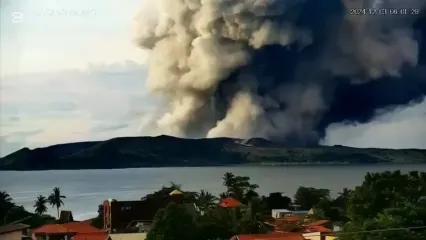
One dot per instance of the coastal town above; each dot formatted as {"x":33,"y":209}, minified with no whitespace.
{"x":237,"y":214}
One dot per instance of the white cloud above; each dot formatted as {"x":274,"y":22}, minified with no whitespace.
{"x":55,"y":35}
{"x":397,"y":128}
{"x":61,"y":131}
{"x":101,"y":102}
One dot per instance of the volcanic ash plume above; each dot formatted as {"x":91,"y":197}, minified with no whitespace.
{"x":271,"y":68}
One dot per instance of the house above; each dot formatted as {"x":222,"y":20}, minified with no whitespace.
{"x":288,"y":223}
{"x":14,"y":232}
{"x":317,"y":230}
{"x":320,"y":233}
{"x":90,"y":236}
{"x":270,"y":236}
{"x":280,"y":213}
{"x":63,"y":231}
{"x":120,"y":215}
{"x":127,"y":236}
{"x":229,"y":203}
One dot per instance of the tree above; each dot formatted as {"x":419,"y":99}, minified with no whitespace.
{"x":98,"y":222}
{"x":343,"y":199}
{"x":164,"y":193}
{"x":55,"y":199}
{"x":174,"y":222}
{"x":308,"y":197}
{"x":205,"y":200}
{"x":218,"y":223}
{"x":406,"y":217}
{"x":5,"y":198}
{"x":384,"y":201}
{"x":10,"y":212}
{"x":6,"y":206}
{"x":254,"y":218}
{"x":277,"y":201}
{"x":381,"y":191}
{"x":228,"y":179}
{"x":239,"y":187}
{"x":40,"y":205}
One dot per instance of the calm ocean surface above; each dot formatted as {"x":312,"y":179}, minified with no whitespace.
{"x":86,"y":189}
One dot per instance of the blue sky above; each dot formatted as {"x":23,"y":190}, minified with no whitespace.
{"x":69,"y":72}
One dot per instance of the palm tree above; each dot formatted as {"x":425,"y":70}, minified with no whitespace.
{"x":6,"y":205}
{"x":346,"y":193}
{"x":254,"y":218}
{"x":40,"y":205}
{"x":5,"y":198}
{"x":343,"y":198}
{"x":228,"y":179}
{"x":205,"y":200}
{"x":175,"y":186}
{"x":55,"y":199}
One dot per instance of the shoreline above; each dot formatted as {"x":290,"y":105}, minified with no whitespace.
{"x":263,"y":164}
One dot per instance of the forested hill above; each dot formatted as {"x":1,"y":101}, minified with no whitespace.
{"x":163,"y":151}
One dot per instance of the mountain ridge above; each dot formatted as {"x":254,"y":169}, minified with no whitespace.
{"x":168,"y":151}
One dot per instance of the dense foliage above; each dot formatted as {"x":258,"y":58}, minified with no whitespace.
{"x":386,"y":206}
{"x":389,"y":200}
{"x":10,"y":212}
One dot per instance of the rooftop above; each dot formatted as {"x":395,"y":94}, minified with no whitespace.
{"x":13,"y":227}
{"x":270,"y":236}
{"x":176,"y":192}
{"x":73,"y":227}
{"x":318,"y":228}
{"x":318,"y":223}
{"x":66,"y":216}
{"x":91,"y":236}
{"x":229,"y":203}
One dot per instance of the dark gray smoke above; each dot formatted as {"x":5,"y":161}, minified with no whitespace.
{"x":282,"y":69}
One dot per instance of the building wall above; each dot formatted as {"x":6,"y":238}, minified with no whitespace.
{"x":118,"y":214}
{"x":17,"y":235}
{"x":313,"y":236}
{"x":127,"y":236}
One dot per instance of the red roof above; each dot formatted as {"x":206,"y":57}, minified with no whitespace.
{"x":51,"y":228}
{"x":318,"y":223}
{"x":292,"y":218}
{"x":229,"y":203}
{"x":270,"y":236}
{"x":91,"y":236}
{"x":73,"y":227}
{"x":321,"y":229}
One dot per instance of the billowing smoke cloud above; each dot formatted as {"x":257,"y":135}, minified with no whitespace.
{"x":281,"y":69}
